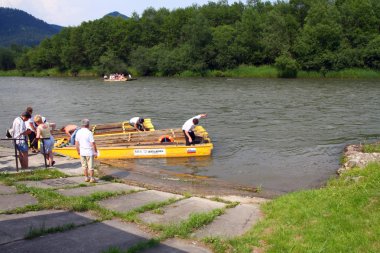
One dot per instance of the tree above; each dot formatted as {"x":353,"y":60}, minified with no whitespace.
{"x":280,"y":29}
{"x":320,"y":38}
{"x":109,"y":63}
{"x":249,"y":37}
{"x":286,"y":66}
{"x":7,"y":59}
{"x":372,"y":53}
{"x":222,"y":46}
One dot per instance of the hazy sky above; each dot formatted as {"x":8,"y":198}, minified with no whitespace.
{"x":74,"y":12}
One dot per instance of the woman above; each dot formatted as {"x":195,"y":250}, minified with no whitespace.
{"x":43,"y":132}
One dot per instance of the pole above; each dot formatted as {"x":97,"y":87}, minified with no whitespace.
{"x":14,"y":143}
{"x":43,"y":144}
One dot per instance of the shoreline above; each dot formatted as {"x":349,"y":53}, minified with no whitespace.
{"x":239,"y":72}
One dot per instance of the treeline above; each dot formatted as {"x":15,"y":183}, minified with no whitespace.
{"x":310,"y":35}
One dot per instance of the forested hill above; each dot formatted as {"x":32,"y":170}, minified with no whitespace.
{"x":307,"y":35}
{"x":20,"y":28}
{"x":116,"y":14}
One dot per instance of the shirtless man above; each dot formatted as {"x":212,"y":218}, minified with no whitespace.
{"x":71,"y":130}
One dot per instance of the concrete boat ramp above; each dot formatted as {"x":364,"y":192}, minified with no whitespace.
{"x":69,"y":231}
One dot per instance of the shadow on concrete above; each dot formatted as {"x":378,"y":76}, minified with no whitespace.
{"x":86,"y":237}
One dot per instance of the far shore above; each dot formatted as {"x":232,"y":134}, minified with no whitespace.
{"x":239,"y":72}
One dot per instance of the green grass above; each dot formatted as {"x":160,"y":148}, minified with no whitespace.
{"x":35,"y":175}
{"x":371,"y":148}
{"x":139,"y":247}
{"x":186,"y":227}
{"x":132,"y":215}
{"x":352,"y":73}
{"x":342,"y":217}
{"x":37,"y":232}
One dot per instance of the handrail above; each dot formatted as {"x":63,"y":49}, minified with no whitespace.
{"x":16,"y":155}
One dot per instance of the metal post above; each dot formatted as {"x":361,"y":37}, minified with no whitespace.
{"x":43,"y":144}
{"x":14,"y":143}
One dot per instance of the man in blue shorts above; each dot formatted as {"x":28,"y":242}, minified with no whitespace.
{"x":20,"y":132}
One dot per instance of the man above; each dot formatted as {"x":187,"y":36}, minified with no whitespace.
{"x":86,"y":148}
{"x":188,"y":128}
{"x":71,"y":131}
{"x":137,"y":123}
{"x":20,"y":132}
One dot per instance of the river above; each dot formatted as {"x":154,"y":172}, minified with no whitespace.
{"x":280,"y":134}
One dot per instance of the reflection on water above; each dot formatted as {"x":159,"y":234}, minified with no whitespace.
{"x":280,"y":134}
{"x":184,"y":165}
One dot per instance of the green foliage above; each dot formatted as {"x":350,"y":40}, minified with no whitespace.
{"x":371,"y":148}
{"x":109,"y":63}
{"x":286,"y":66}
{"x":321,"y":36}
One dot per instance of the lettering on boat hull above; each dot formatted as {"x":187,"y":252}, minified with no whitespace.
{"x":191,"y":150}
{"x":143,"y":152}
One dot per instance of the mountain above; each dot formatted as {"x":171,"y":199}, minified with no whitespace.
{"x":116,"y":14}
{"x":21,"y":28}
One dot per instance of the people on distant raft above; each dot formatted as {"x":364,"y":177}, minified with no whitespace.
{"x":137,"y":123}
{"x":71,"y":131}
{"x":188,"y":128}
{"x":20,"y":132}
{"x":86,"y":148}
{"x":47,"y":142}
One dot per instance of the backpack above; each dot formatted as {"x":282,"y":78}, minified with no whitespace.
{"x":9,"y":133}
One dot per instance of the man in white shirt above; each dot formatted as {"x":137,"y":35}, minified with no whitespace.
{"x":86,"y":148}
{"x":188,"y":128}
{"x":137,"y":123}
{"x":20,"y":132}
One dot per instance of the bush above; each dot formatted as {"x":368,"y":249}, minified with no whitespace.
{"x":286,"y":66}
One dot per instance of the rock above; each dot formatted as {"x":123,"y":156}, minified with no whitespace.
{"x":355,"y":158}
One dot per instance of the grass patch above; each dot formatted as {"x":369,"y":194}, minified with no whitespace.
{"x":342,"y":217}
{"x":185,"y":228}
{"x":131,"y":216}
{"x":371,"y":148}
{"x":50,"y":199}
{"x":139,"y":247}
{"x":352,"y":73}
{"x":35,"y":175}
{"x":37,"y":232}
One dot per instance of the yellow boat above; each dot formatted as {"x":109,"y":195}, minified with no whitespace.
{"x":163,"y":143}
{"x":149,"y":151}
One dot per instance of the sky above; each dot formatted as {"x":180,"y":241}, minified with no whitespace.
{"x":74,"y":12}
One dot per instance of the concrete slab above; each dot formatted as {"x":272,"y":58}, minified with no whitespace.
{"x":50,"y":183}
{"x":80,"y":180}
{"x":178,"y":246}
{"x":111,"y":187}
{"x":7,"y":163}
{"x":181,"y":210}
{"x":12,"y":201}
{"x":16,"y":226}
{"x":67,"y":165}
{"x":96,"y":237}
{"x":4,"y":189}
{"x":131,"y":201}
{"x":238,"y":220}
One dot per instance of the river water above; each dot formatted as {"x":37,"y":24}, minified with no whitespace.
{"x":282,"y":135}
